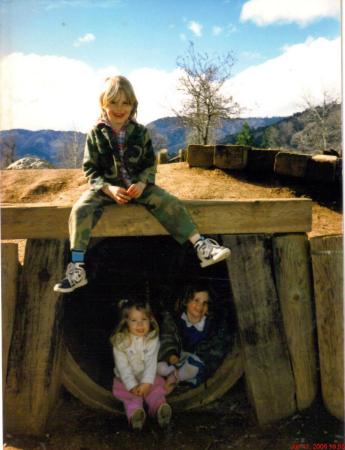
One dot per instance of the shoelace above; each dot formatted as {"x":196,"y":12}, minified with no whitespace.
{"x":73,"y":273}
{"x":207,"y":246}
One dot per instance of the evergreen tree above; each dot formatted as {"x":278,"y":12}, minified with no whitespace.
{"x":245,"y":137}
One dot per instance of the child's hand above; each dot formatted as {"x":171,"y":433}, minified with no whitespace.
{"x":135,"y":190}
{"x":143,"y":389}
{"x":135,"y":390}
{"x":118,"y":194}
{"x":173,"y":359}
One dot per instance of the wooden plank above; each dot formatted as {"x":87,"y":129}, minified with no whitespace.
{"x":327,"y":259}
{"x":231,"y":156}
{"x":294,"y":285}
{"x":32,"y":221}
{"x":200,"y":155}
{"x":321,"y":168}
{"x":261,"y":159}
{"x":267,"y":367}
{"x":34,"y":378}
{"x":291,"y":164}
{"x":9,"y":280}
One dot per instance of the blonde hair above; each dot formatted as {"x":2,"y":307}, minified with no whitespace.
{"x":121,"y":335}
{"x":113,"y":85}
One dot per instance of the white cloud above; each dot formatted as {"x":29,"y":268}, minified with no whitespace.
{"x":156,"y":91}
{"x":88,"y":37}
{"x":264,"y":12}
{"x":216,"y":30}
{"x":277,"y":86}
{"x":195,"y":27}
{"x":51,"y":92}
{"x":41,"y":92}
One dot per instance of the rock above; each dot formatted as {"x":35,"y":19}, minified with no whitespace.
{"x":29,"y":162}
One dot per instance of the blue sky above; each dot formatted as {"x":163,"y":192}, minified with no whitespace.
{"x":55,"y":49}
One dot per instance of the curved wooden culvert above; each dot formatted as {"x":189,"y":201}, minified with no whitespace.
{"x":154,"y":267}
{"x":81,"y":385}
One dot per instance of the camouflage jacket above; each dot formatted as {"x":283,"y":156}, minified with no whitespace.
{"x":211,"y":350}
{"x":101,"y":163}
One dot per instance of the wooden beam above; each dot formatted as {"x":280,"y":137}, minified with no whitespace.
{"x":44,"y":221}
{"x":268,"y":372}
{"x":9,"y":280}
{"x":327,"y":260}
{"x":293,"y":278}
{"x":34,"y":370}
{"x":233,"y":157}
{"x":200,"y":155}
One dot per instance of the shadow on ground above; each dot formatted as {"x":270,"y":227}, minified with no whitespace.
{"x":225,"y":424}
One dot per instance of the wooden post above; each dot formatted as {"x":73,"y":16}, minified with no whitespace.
{"x":261,"y":159}
{"x":321,"y":168}
{"x":231,"y":156}
{"x":327,"y":259}
{"x":200,"y":155}
{"x":291,"y":164}
{"x":292,"y":268}
{"x":9,"y":280}
{"x":34,"y":378}
{"x":162,"y":156}
{"x":267,"y":366}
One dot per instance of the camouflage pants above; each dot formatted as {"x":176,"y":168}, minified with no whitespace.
{"x":166,"y":208}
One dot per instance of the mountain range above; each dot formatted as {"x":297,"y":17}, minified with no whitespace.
{"x":64,"y":149}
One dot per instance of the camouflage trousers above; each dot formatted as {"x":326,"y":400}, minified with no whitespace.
{"x":167,"y":209}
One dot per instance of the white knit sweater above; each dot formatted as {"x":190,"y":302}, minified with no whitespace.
{"x":136,"y":360}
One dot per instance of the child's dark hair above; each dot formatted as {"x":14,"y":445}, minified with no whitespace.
{"x":191,"y":290}
{"x":124,"y":306}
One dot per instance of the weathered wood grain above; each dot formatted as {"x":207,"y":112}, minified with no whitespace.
{"x":291,"y":164}
{"x":90,"y":393}
{"x":292,"y":267}
{"x":231,"y":156}
{"x":9,"y":280}
{"x":33,"y":378}
{"x":267,"y":367}
{"x":200,"y":155}
{"x":261,"y":159}
{"x":31,"y":221}
{"x":327,"y":260}
{"x":321,"y":168}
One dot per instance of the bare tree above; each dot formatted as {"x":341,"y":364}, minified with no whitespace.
{"x":320,"y":126}
{"x":205,"y":103}
{"x":7,"y":151}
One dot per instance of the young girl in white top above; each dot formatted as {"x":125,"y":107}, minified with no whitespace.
{"x":135,"y":347}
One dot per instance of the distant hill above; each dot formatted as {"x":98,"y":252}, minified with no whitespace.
{"x":62,"y":149}
{"x":299,"y":132}
{"x":169,"y":133}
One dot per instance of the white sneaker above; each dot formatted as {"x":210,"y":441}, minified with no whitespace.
{"x":75,"y":278}
{"x":164,"y":414}
{"x":210,"y":252}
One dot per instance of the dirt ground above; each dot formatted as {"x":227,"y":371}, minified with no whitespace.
{"x":225,"y":424}
{"x":228,"y":423}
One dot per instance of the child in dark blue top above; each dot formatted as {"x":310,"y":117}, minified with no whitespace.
{"x":194,"y":343}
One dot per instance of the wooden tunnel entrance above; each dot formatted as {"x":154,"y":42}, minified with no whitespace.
{"x":156,"y":269}
{"x":52,"y":340}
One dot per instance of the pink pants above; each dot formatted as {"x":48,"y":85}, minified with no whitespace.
{"x":131,"y":402}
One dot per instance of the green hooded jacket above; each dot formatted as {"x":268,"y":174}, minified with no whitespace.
{"x":101,"y":163}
